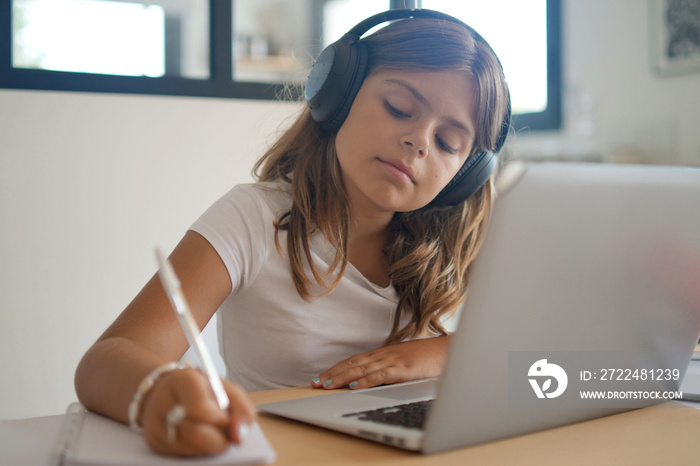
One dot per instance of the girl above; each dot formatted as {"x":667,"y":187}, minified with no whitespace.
{"x":342,"y":265}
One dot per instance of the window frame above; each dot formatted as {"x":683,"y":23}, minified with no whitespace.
{"x":221,"y":82}
{"x":551,"y":117}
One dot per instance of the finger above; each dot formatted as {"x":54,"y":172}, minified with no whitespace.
{"x":197,"y":438}
{"x":382,"y":371}
{"x":192,"y":439}
{"x":185,"y":436}
{"x":336,"y":377}
{"x":202,"y":416}
{"x":384,"y":376}
{"x":196,"y":395}
{"x":242,"y":412}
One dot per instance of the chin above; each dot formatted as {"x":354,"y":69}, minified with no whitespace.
{"x":399,"y":202}
{"x":403,"y":207}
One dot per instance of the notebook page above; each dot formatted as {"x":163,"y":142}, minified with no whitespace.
{"x":103,"y":441}
{"x":28,"y":441}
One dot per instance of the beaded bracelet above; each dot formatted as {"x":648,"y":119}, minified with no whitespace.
{"x":143,"y":388}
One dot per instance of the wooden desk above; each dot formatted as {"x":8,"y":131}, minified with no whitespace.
{"x":665,"y":435}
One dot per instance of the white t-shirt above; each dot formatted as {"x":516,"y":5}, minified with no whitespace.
{"x":269,"y":337}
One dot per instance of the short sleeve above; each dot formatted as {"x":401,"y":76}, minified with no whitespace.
{"x":239,"y":226}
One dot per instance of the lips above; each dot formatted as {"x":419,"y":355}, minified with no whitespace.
{"x":399,"y":169}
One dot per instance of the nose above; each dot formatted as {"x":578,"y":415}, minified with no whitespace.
{"x":417,"y":139}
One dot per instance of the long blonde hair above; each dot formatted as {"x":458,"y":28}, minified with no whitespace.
{"x":430,"y":250}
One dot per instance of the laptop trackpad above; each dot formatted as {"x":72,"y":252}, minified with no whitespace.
{"x":408,"y":391}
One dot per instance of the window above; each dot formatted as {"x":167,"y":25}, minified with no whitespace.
{"x":527,"y":43}
{"x":174,"y":47}
{"x":248,"y":48}
{"x":276,"y":40}
{"x":125,"y":39}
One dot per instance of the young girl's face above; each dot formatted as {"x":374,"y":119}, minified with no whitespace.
{"x":406,"y":136}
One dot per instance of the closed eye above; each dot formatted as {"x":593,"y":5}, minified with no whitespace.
{"x":395,"y":111}
{"x":444,"y":145}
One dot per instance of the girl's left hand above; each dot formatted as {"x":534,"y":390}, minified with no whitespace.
{"x":401,"y":362}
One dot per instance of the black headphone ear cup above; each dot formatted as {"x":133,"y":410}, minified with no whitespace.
{"x":475,"y":171}
{"x":348,"y":87}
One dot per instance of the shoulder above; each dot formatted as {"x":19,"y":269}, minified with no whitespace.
{"x":249,"y":204}
{"x":275,"y":195}
{"x":266,"y":196}
{"x":251,"y":207}
{"x":240,"y":227}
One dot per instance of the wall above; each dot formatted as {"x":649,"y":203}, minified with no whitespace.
{"x":90,"y":183}
{"x":616,"y":107}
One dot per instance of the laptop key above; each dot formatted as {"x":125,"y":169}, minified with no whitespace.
{"x":409,"y":415}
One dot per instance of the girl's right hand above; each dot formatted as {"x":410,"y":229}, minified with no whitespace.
{"x":205,"y":429}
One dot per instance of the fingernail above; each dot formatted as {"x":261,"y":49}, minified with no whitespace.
{"x":327,"y":382}
{"x":243,"y":431}
{"x":353,"y":384}
{"x":316,"y":380}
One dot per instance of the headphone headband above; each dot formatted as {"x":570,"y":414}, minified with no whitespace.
{"x":339,"y":70}
{"x":401,"y":13}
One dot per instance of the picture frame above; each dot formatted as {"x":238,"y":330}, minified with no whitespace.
{"x":675,"y":36}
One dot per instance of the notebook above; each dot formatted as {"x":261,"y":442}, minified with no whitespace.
{"x":582,"y":304}
{"x":86,"y":438}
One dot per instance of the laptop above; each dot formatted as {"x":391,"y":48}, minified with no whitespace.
{"x":582,"y":304}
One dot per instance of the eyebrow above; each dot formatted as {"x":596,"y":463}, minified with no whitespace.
{"x":425,"y":103}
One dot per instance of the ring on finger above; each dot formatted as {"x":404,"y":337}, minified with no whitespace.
{"x":173,"y":420}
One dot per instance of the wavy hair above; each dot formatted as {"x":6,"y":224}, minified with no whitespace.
{"x":430,"y":250}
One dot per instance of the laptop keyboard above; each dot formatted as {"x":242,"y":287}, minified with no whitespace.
{"x":410,"y":415}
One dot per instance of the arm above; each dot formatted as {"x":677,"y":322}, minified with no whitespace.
{"x":401,"y":362}
{"x":146,"y":335}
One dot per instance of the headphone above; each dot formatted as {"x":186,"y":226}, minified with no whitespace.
{"x":336,"y":78}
